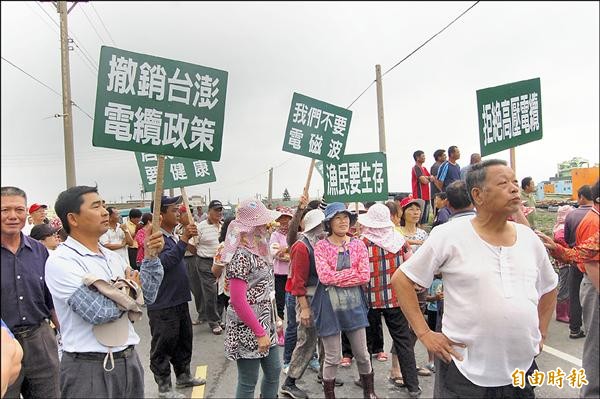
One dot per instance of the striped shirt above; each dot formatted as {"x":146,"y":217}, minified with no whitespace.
{"x":383,"y":265}
{"x":208,"y":239}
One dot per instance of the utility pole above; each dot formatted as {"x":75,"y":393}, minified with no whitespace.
{"x":380,"y":118}
{"x":270,"y":185}
{"x":61,"y":7}
{"x":171,"y":192}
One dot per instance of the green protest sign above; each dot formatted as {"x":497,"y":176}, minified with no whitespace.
{"x":509,"y":115}
{"x":179,"y":172}
{"x":358,"y":177}
{"x":159,"y":106}
{"x":316,"y":129}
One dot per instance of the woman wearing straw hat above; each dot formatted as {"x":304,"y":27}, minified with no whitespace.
{"x":387,"y":250}
{"x":339,"y":303}
{"x":250,"y":337}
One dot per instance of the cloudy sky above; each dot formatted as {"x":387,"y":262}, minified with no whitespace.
{"x":323,"y":50}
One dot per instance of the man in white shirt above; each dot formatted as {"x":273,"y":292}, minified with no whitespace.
{"x":201,"y":275}
{"x":117,"y":237}
{"x":499,"y":292}
{"x":83,"y":310}
{"x":38,"y":214}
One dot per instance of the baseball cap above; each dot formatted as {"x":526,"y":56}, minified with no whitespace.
{"x":35,"y":207}
{"x":215,"y":204}
{"x":41,"y":231}
{"x":166,"y":201}
{"x":410,"y":200}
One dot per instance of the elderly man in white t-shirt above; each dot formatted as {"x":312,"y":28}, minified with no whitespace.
{"x":499,"y":292}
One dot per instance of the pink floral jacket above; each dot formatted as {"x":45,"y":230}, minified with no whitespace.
{"x":326,"y":255}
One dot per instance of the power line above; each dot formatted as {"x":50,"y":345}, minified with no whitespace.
{"x":87,"y":63}
{"x":92,"y":25}
{"x":34,"y":78}
{"x":43,"y":19}
{"x":431,"y":38}
{"x":102,"y":22}
{"x":360,"y":95}
{"x":46,"y":86}
{"x":83,"y":50}
{"x":414,"y":51}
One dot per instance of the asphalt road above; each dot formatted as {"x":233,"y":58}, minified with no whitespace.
{"x":221,"y":374}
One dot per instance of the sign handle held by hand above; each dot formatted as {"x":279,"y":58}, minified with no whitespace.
{"x":158,"y":191}
{"x":310,"y":172}
{"x":186,"y":202}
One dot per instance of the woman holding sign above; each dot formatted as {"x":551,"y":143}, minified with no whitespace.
{"x":339,"y":303}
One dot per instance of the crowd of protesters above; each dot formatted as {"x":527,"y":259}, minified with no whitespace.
{"x":315,"y":280}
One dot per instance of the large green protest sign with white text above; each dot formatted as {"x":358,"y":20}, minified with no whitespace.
{"x":358,"y":177}
{"x":159,"y":106}
{"x":316,"y":129}
{"x":509,"y":115}
{"x":179,"y":172}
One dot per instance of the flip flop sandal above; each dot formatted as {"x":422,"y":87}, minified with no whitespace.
{"x":217,"y":330}
{"x":423,"y":372}
{"x":397,"y":381}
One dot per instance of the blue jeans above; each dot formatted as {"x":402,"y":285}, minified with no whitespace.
{"x":248,"y":375}
{"x":291,"y":330}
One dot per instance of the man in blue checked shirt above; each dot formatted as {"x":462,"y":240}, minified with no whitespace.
{"x":80,"y":307}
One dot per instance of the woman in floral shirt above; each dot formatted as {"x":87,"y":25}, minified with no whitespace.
{"x":250,"y":332}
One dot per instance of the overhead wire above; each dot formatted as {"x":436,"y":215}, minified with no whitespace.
{"x":430,"y":39}
{"x":46,"y":86}
{"x":414,"y":51}
{"x":103,"y":24}
{"x":82,"y":50}
{"x":404,"y":59}
{"x":92,"y":25}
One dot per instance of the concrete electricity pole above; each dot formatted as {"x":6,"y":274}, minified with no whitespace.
{"x":61,"y":7}
{"x":270,"y":185}
{"x":380,"y":118}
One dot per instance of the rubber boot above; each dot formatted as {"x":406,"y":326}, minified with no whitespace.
{"x":165,"y":389}
{"x":185,"y":380}
{"x":329,"y":389}
{"x":368,"y":385}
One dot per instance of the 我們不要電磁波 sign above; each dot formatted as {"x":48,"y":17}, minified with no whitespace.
{"x":358,"y":177}
{"x":316,"y":129}
{"x":160,"y":106}
{"x":179,"y":172}
{"x":509,"y":115}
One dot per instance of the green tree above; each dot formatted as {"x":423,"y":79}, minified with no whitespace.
{"x":286,"y":195}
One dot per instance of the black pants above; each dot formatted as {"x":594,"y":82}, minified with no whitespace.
{"x":404,"y":341}
{"x":222,"y":304}
{"x":374,"y":332}
{"x":450,"y":383}
{"x":575,"y":318}
{"x":39,"y":377}
{"x":280,"y":280}
{"x":132,"y":252}
{"x":171,"y":330}
{"x":346,"y":347}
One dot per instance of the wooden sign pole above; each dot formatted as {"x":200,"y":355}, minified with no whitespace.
{"x":513,"y":163}
{"x":186,"y":202}
{"x":158,"y":191}
{"x":310,"y":172}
